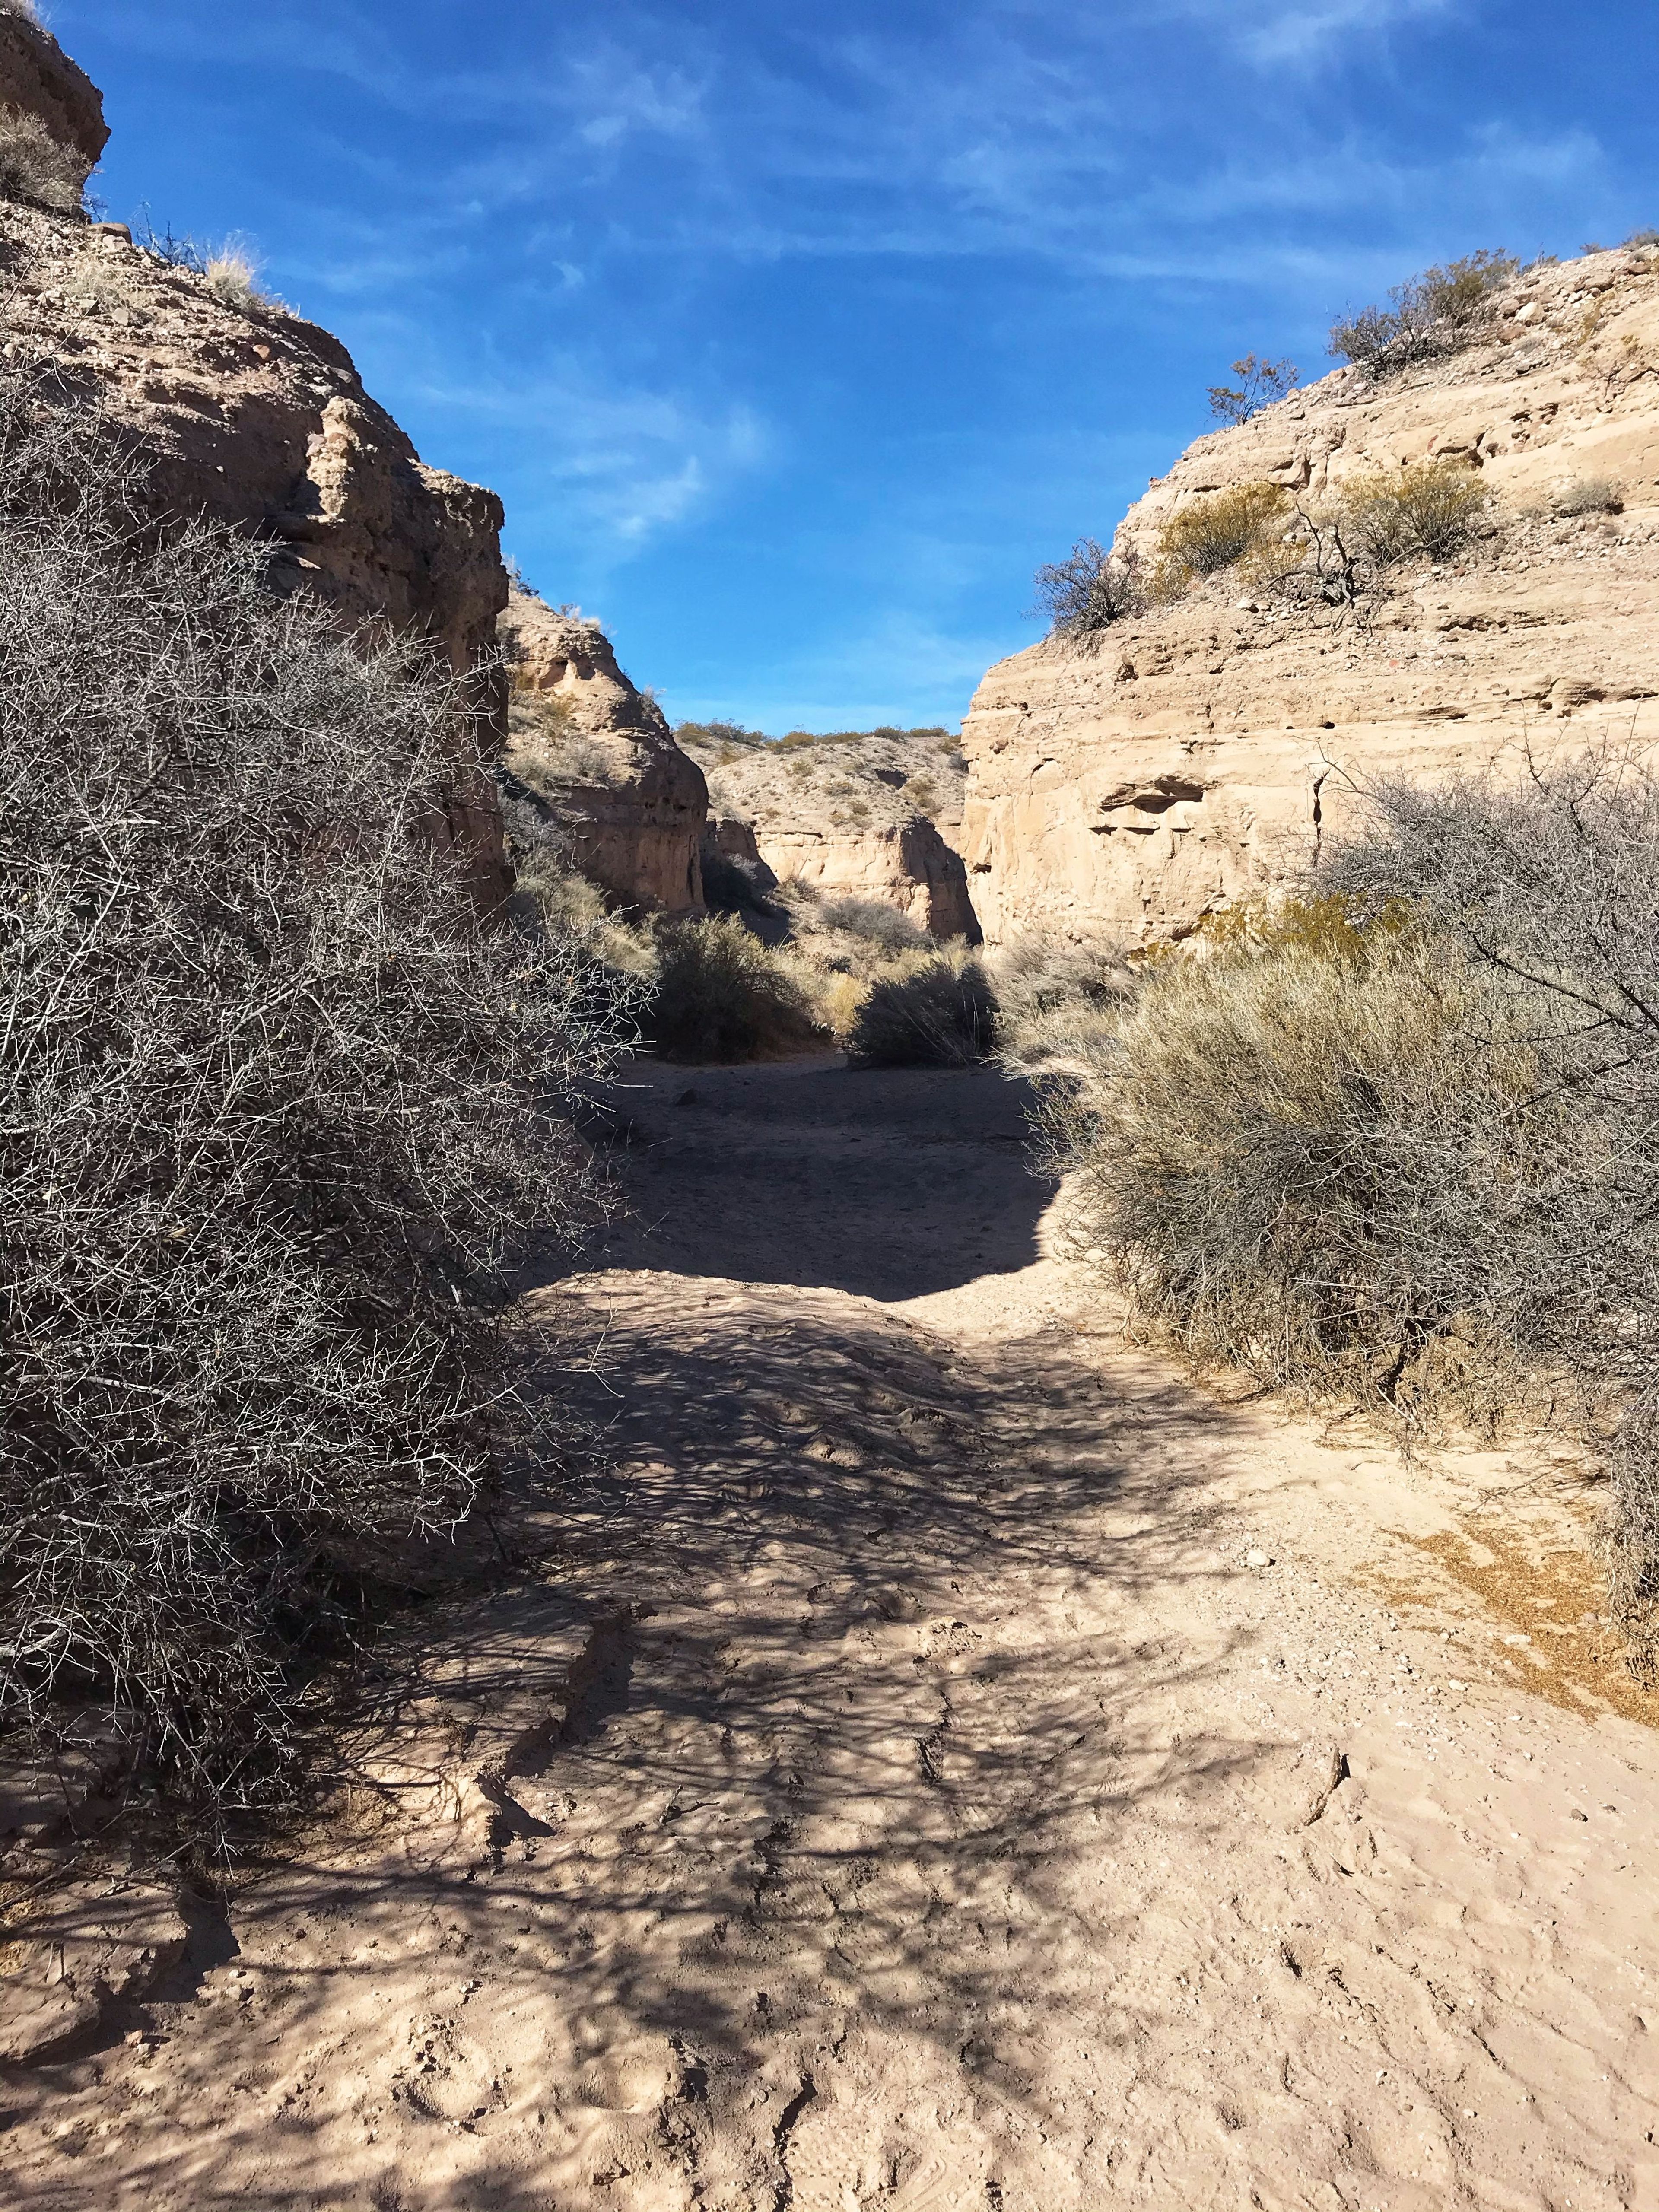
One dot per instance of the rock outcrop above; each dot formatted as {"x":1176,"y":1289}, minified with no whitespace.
{"x":38,"y":77}
{"x":1199,"y":753}
{"x":874,"y":818}
{"x":597,"y":755}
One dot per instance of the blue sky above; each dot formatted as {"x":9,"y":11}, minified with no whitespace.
{"x":795,"y":336}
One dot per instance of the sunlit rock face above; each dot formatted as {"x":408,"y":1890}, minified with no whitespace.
{"x":1202,"y":753}
{"x":599,"y":755}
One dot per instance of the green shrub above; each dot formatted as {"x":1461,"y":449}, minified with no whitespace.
{"x":34,"y":167}
{"x":720,"y":994}
{"x":1214,"y":530}
{"x":279,"y":1104}
{"x":942,"y":1014}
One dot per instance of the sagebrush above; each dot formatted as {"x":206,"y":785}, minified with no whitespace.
{"x":280,"y":1102}
{"x":720,"y":994}
{"x":940,"y":1013}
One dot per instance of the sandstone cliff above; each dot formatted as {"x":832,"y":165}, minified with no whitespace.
{"x":1198,"y":752}
{"x":242,"y":410}
{"x":597,"y":756}
{"x":876,"y":816}
{"x":37,"y":76}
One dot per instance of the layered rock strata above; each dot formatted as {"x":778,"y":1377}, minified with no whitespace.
{"x":597,"y":757}
{"x":1200,"y":753}
{"x":875,"y":818}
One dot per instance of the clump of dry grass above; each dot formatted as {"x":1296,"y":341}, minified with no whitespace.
{"x":232,"y":274}
{"x":34,"y":167}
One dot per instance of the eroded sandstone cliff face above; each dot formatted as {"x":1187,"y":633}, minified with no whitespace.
{"x":597,"y":757}
{"x":243,"y":411}
{"x":1199,"y":753}
{"x":876,"y":817}
{"x":38,"y":77}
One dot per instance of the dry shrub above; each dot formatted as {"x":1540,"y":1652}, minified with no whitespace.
{"x":720,"y":994}
{"x":34,"y":167}
{"x":1058,"y":999}
{"x":279,"y":1105}
{"x":1430,"y":314}
{"x":1261,"y":384}
{"x":1426,"y":511}
{"x":1590,"y":496}
{"x":1550,"y":888}
{"x":1213,"y":531}
{"x":875,"y":921}
{"x":1303,"y":1168}
{"x":1088,"y":592}
{"x":940,"y":1014}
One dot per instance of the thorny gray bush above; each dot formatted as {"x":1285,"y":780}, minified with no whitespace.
{"x":275,"y":1104}
{"x":1550,"y":887}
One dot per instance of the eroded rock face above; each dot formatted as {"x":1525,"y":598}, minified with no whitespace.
{"x":600,"y":757}
{"x":874,"y":819}
{"x":253,"y":416}
{"x":1202,"y":753}
{"x":38,"y":77}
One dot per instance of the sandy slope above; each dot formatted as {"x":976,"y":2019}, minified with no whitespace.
{"x":951,"y":1762}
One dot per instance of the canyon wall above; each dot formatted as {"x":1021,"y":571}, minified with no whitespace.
{"x":596,"y":755}
{"x":877,"y":816}
{"x":1199,"y":753}
{"x":240,"y":410}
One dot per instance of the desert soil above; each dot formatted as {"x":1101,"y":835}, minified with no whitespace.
{"x":944,"y":1757}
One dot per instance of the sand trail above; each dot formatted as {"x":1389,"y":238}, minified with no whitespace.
{"x":945,"y":1759}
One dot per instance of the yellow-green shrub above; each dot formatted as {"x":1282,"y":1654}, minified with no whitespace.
{"x":1213,"y":531}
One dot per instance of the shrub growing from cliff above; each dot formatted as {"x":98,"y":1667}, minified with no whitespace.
{"x":1213,"y":531}
{"x":1428,"y":510}
{"x":1261,"y":384}
{"x":33,"y":167}
{"x":1428,"y":315}
{"x":1088,"y":592}
{"x":279,"y":1104}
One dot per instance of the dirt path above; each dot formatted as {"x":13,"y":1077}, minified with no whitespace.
{"x":951,"y":1762}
